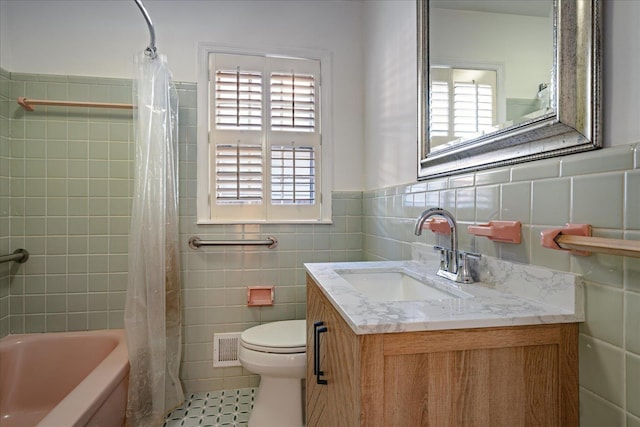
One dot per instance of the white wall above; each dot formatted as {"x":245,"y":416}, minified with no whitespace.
{"x":100,"y":38}
{"x":390,"y":125}
{"x":390,"y":93}
{"x":621,"y":109}
{"x":523,"y":45}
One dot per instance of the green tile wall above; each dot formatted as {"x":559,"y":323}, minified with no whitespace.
{"x":69,"y":180}
{"x":600,"y":188}
{"x":5,"y":194}
{"x":70,"y":197}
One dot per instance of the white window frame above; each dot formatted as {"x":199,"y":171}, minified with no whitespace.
{"x":205,"y":197}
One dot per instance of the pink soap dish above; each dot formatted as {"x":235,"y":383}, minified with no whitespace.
{"x":260,"y":295}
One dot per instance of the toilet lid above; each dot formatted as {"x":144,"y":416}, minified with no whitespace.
{"x":288,"y":336}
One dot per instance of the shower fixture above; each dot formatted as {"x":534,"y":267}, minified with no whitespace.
{"x":150,"y":51}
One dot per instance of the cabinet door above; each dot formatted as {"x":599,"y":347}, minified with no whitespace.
{"x":316,"y":393}
{"x":499,"y":377}
{"x":336,"y":403}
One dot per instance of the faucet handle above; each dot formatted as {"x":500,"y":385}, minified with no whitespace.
{"x":465,"y":255}
{"x":464,"y":272}
{"x":443,"y":256}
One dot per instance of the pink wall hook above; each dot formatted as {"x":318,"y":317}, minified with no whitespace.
{"x":498,"y":231}
{"x":437,"y":225}
{"x":548,"y":237}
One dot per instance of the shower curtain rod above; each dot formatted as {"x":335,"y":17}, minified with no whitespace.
{"x":150,"y":51}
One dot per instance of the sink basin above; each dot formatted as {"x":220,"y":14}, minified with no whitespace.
{"x":384,"y":285}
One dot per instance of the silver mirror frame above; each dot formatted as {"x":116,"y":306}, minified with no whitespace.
{"x":574,"y":126}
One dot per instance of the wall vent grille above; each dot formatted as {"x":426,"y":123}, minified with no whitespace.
{"x":225,"y":349}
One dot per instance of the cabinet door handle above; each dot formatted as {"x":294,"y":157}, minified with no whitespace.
{"x":316,"y":358}
{"x":318,"y":329}
{"x":320,"y":372}
{"x":316,"y":325}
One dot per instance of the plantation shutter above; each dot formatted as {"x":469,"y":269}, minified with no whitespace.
{"x":238,"y":99}
{"x":293,"y":102}
{"x":439,"y":117}
{"x":463,"y":104}
{"x":293,"y":175}
{"x":239,"y":174}
{"x":264,"y":138}
{"x":472,"y":108}
{"x":294,"y":139}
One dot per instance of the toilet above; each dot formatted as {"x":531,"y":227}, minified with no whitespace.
{"x":277,"y":352}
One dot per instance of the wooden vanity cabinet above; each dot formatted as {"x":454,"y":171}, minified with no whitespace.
{"x":504,"y":376}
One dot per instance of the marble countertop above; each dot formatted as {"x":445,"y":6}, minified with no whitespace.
{"x":506,"y":294}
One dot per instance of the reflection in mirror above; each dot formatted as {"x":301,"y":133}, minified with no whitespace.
{"x":491,"y":65}
{"x":506,"y":81}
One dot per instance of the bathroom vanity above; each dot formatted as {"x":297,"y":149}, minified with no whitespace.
{"x":502,"y":352}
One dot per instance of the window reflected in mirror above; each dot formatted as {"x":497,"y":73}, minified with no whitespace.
{"x":463,"y":105}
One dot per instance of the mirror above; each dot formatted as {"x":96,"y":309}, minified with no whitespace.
{"x":506,"y":82}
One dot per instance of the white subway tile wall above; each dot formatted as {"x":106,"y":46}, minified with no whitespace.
{"x":65,"y":195}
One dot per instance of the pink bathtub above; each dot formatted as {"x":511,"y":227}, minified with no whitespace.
{"x":64,"y":379}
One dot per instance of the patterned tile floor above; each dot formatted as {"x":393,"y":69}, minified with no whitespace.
{"x":214,"y":409}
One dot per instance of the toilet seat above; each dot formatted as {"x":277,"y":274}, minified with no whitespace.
{"x":283,"y":337}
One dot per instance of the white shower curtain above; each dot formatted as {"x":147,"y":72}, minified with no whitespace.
{"x":152,"y":308}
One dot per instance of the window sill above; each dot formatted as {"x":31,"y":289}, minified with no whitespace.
{"x":299,"y":222}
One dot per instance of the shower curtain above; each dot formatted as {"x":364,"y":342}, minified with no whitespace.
{"x":152,"y":308}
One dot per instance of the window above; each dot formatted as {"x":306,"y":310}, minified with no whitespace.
{"x":463,"y":104}
{"x":262,"y":139}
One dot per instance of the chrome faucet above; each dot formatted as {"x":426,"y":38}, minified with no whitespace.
{"x":454,"y":264}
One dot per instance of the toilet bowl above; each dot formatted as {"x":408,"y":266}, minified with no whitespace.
{"x":277,"y":352}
